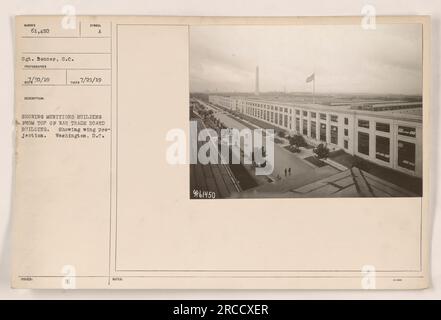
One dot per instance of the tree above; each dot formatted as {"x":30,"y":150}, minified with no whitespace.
{"x":321,"y":151}
{"x":297,"y":140}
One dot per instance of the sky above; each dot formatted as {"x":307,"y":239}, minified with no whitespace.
{"x":344,"y":58}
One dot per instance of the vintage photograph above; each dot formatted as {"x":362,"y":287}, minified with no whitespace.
{"x":306,"y":111}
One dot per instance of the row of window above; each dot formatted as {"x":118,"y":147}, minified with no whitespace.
{"x":322,"y":133}
{"x":276,"y":118}
{"x":268,"y":107}
{"x":406,"y":150}
{"x":313,"y":115}
{"x":334,"y":118}
{"x":379,"y":126}
{"x":282,"y":120}
{"x":385,"y":127}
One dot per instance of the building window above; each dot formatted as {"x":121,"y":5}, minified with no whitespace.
{"x":363,"y":124}
{"x":384,"y":127}
{"x":286,"y":110}
{"x":345,"y":143}
{"x":346,"y":121}
{"x":272,"y":116}
{"x":363,"y":143}
{"x":313,"y":115}
{"x":407,"y":131}
{"x":334,"y":118}
{"x":346,"y":132}
{"x":382,"y":148}
{"x":406,"y":155}
{"x":322,"y":116}
{"x":297,"y":124}
{"x":305,"y":127}
{"x":285,"y":121}
{"x":334,"y":134}
{"x":281,"y":119}
{"x":276,"y":120}
{"x":323,"y":132}
{"x":267,"y":115}
{"x":297,"y":111}
{"x":313,"y":130}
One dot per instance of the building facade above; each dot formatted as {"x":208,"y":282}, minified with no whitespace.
{"x":224,"y":101}
{"x":390,"y":139}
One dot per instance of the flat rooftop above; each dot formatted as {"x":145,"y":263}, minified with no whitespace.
{"x":406,"y":113}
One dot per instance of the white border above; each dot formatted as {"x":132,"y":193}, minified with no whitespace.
{"x":207,"y":8}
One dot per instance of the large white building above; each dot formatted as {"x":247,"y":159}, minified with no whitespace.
{"x":388,"y":137}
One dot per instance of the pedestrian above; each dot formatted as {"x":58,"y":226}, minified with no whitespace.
{"x":285,"y":172}
{"x":289,"y":171}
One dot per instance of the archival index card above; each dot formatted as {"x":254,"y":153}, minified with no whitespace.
{"x":203,"y":152}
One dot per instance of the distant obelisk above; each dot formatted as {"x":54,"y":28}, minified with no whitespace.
{"x":256,"y":92}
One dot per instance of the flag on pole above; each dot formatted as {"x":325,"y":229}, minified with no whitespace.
{"x":310,"y":78}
